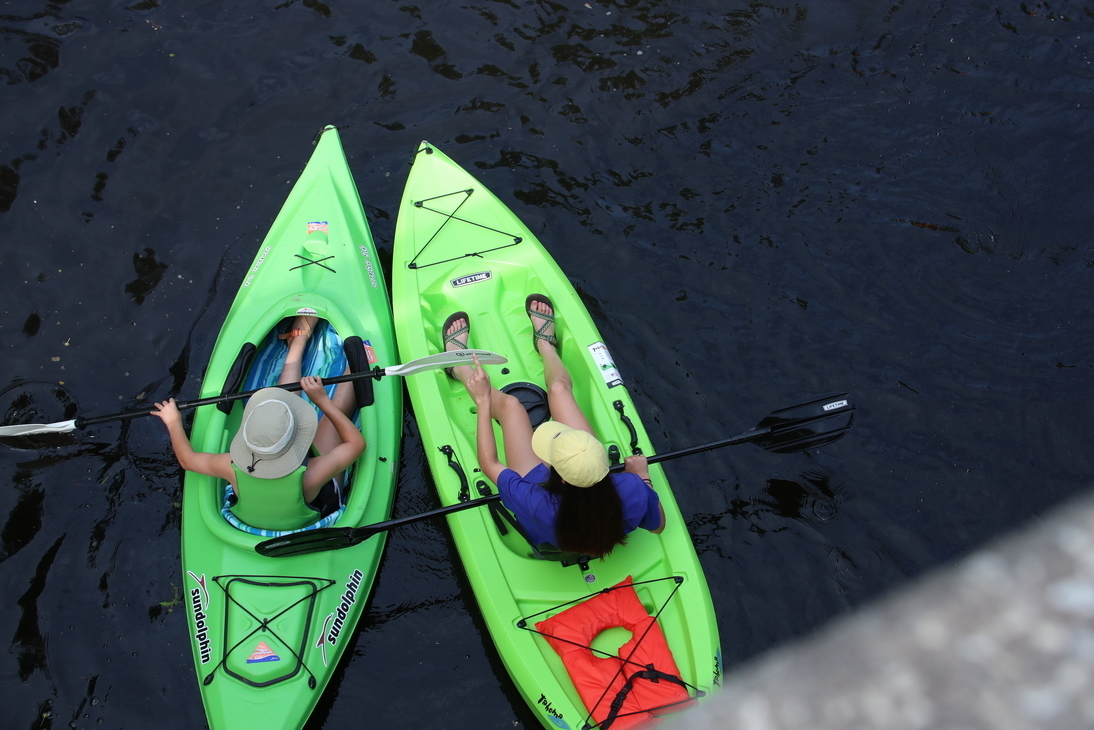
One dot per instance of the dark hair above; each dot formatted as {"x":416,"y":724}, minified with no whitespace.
{"x":589,"y":519}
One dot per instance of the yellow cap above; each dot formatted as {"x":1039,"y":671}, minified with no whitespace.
{"x":576,"y":455}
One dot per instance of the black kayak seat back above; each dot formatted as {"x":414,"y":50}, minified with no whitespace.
{"x":236,"y":374}
{"x":358,"y":363}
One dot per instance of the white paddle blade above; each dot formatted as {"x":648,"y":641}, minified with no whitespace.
{"x":446,"y":360}
{"x":29,"y":429}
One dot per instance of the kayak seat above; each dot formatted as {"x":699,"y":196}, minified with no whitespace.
{"x":235,"y":374}
{"x":226,"y":511}
{"x":522,"y":545}
{"x":360,"y":359}
{"x":534,"y":400}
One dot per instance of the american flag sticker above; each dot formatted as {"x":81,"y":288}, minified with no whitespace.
{"x":317,"y":226}
{"x":263,"y":653}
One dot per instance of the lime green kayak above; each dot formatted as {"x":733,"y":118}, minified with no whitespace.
{"x":457,"y":247}
{"x":268,"y":633}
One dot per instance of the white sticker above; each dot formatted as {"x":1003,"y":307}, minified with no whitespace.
{"x":605,"y":364}
{"x":472,"y":279}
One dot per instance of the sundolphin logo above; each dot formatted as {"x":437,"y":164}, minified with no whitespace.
{"x":257,"y":266}
{"x":835,"y":404}
{"x":335,"y":620}
{"x":368,"y":267}
{"x":201,"y":582}
{"x":199,"y":597}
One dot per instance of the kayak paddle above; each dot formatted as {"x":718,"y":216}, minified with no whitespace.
{"x":430,"y":362}
{"x":798,"y":428}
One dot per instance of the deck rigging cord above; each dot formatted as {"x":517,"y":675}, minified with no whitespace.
{"x":451,"y":216}
{"x":316,"y":585}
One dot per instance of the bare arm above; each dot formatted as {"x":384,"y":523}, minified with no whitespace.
{"x":323,"y":468}
{"x":478,"y":386}
{"x":201,"y":462}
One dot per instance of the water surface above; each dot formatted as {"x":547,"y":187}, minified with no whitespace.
{"x":758,"y":202}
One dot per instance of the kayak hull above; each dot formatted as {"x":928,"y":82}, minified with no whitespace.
{"x":267,"y":633}
{"x":459,"y":248}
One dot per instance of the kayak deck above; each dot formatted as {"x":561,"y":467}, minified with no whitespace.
{"x":457,"y":247}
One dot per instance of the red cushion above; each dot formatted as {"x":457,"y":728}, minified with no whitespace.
{"x":592,"y":672}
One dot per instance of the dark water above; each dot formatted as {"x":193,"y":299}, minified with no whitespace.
{"x":759,"y":202}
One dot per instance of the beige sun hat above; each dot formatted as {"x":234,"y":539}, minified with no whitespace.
{"x":277,"y":430}
{"x":576,"y":455}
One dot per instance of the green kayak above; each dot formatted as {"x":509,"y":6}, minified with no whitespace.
{"x":268,"y":633}
{"x":457,"y":247}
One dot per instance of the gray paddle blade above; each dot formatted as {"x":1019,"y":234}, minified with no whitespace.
{"x":29,"y":429}
{"x":445,"y":360}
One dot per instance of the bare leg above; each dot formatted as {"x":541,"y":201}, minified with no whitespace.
{"x":326,"y":436}
{"x":516,"y":429}
{"x":291,"y":370}
{"x":560,"y":387}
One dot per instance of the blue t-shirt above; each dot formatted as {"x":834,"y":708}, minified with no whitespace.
{"x":536,"y":508}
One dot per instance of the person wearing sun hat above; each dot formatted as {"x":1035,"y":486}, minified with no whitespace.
{"x":277,"y":485}
{"x":557,"y":481}
{"x":275,"y":434}
{"x":269,"y":460}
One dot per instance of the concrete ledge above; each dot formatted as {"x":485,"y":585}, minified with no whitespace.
{"x":1004,"y":639}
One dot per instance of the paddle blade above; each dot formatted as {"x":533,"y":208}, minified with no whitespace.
{"x":336,"y":538}
{"x":29,"y":429}
{"x":446,"y":360}
{"x":809,"y":425}
{"x":311,"y":541}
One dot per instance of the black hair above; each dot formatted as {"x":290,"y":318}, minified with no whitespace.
{"x":589,"y":519}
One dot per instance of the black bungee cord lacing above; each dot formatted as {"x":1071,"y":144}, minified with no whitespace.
{"x":451,"y":217}
{"x":264,"y":625}
{"x":316,"y":262}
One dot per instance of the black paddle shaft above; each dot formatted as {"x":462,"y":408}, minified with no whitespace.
{"x":798,"y":428}
{"x":82,"y":423}
{"x":334,"y":538}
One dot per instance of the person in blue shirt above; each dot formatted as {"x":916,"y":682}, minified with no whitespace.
{"x":557,"y":481}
